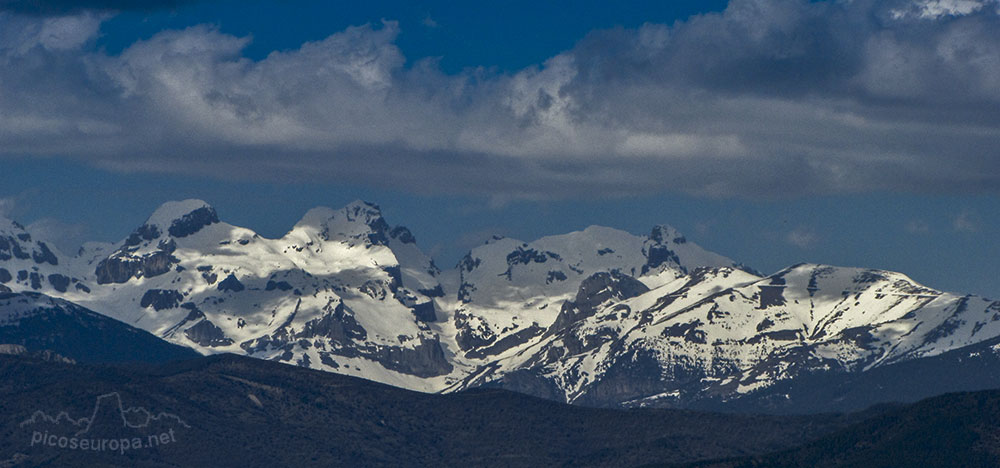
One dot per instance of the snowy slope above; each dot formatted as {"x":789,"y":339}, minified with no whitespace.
{"x":510,"y":291}
{"x":330,"y":294}
{"x":29,"y":263}
{"x":724,"y":332}
{"x":599,"y":316}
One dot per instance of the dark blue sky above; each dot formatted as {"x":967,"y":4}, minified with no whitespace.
{"x":773,"y":133}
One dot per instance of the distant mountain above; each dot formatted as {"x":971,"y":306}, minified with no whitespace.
{"x":231,"y":411}
{"x":342,"y":291}
{"x":599,"y":317}
{"x":35,"y":324}
{"x":722,"y":333}
{"x":971,"y":368}
{"x":510,"y":292}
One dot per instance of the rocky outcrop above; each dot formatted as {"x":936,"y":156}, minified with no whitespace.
{"x":207,"y":334}
{"x":193,"y":222}
{"x":120,"y":268}
{"x":595,"y":291}
{"x":231,"y":284}
{"x":44,"y":355}
{"x":161,"y":299}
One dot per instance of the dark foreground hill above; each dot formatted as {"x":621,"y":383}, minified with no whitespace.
{"x":36,"y":323}
{"x":233,"y":411}
{"x":954,"y":430}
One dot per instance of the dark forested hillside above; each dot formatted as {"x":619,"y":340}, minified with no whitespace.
{"x":236,"y":411}
{"x":954,"y":430}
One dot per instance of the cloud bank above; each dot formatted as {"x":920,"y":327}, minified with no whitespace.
{"x":769,"y":98}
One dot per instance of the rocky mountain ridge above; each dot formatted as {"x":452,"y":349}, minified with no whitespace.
{"x":599,"y":317}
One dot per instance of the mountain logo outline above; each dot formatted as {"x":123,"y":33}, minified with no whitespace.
{"x":140,"y":417}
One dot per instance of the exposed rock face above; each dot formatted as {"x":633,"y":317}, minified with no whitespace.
{"x":595,"y":291}
{"x":44,"y":255}
{"x":207,"y":334}
{"x":160,"y":299}
{"x":425,"y":312}
{"x":11,"y":248}
{"x":193,"y":222}
{"x":278,"y":285}
{"x":424,"y":359}
{"x":45,"y":355}
{"x":59,"y":282}
{"x":232,"y":284}
{"x":122,"y":267}
{"x":146,"y":232}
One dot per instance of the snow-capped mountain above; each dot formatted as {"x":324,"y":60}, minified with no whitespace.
{"x":725,"y":332}
{"x":342,"y":291}
{"x":509,"y":292}
{"x":27,"y":263}
{"x":599,"y":316}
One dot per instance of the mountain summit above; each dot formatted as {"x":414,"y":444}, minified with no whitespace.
{"x":599,"y":316}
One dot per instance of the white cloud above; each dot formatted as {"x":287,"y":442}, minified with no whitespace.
{"x":935,"y":9}
{"x":802,"y":238}
{"x":20,"y":34}
{"x":769,"y":98}
{"x":966,"y":221}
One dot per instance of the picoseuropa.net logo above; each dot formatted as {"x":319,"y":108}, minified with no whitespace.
{"x":111,"y":427}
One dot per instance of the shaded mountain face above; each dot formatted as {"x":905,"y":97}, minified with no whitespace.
{"x":235,"y":411}
{"x":37,"y":325}
{"x":597,"y":317}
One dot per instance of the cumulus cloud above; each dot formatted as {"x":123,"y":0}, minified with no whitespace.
{"x":768,"y":98}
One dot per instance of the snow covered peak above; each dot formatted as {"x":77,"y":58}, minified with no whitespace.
{"x":359,"y":207}
{"x":315,"y":218}
{"x":178,"y":219}
{"x":356,"y":221}
{"x":9,"y":227}
{"x":19,"y":247}
{"x":849,"y":279}
{"x":667,"y":249}
{"x":174,"y":210}
{"x":664,"y":233}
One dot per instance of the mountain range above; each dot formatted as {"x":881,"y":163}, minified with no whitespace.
{"x":599,"y":317}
